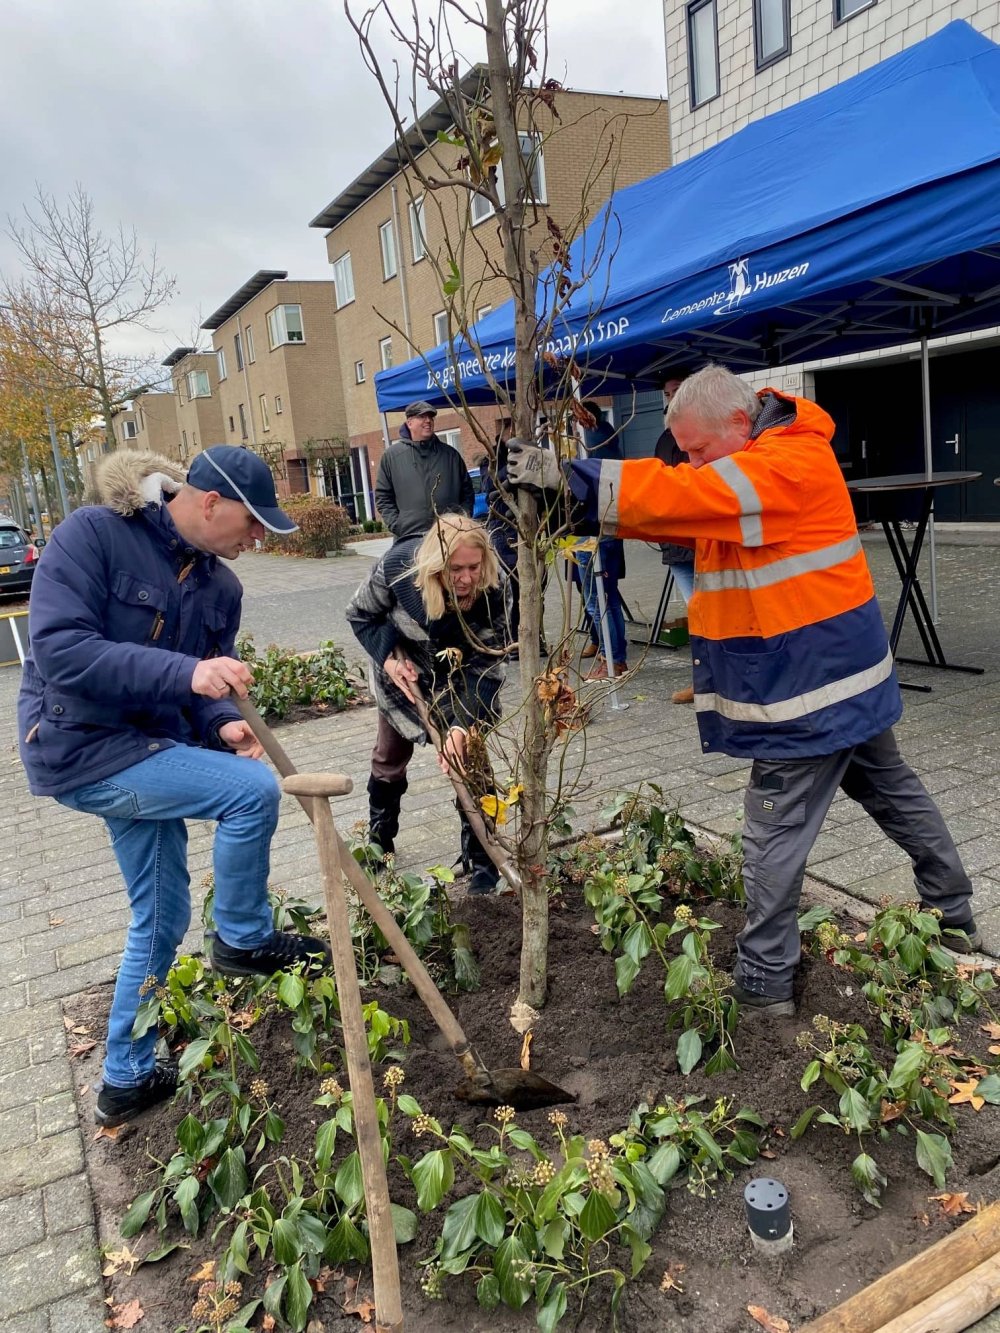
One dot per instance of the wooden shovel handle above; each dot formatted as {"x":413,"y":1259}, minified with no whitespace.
{"x":429,"y":994}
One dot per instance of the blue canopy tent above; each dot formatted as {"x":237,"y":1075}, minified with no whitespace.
{"x":866,"y":216}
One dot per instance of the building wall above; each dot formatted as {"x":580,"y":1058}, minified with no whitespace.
{"x":124,"y":427}
{"x":612,"y":140}
{"x":823,"y":53}
{"x":156,"y":424}
{"x":199,"y":420}
{"x":299,"y":382}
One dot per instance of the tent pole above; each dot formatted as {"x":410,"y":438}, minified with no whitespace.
{"x":925,"y":388}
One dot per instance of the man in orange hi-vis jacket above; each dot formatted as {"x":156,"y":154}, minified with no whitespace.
{"x":792,"y":666}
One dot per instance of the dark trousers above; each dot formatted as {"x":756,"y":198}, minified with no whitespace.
{"x":391,"y":753}
{"x":785,"y":805}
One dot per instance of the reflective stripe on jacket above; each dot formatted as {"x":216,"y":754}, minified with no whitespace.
{"x":791,"y":658}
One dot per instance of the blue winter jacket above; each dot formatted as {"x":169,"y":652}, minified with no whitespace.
{"x":121,"y":612}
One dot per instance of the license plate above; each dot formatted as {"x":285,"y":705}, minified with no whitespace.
{"x":4,"y":569}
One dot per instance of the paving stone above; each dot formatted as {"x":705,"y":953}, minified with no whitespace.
{"x":72,"y":979}
{"x":56,"y":1114}
{"x":40,"y":1018}
{"x":20,"y":1127}
{"x":27,"y":1168}
{"x":22,"y":1221}
{"x":95,"y":946}
{"x":35,"y":1321}
{"x":79,"y":1314}
{"x":67,"y":1205}
{"x":29,"y":1085}
{"x":48,"y":1271}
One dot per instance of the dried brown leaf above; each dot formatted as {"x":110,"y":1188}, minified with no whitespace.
{"x":108,"y":1132}
{"x":81,"y":1048}
{"x":526,"y":1051}
{"x":116,"y":1260}
{"x":57,"y":921}
{"x":125,"y":1316}
{"x":205,"y":1273}
{"x":966,"y":1092}
{"x":953,"y":1205}
{"x":771,"y":1322}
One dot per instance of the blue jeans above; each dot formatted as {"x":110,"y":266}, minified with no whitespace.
{"x":683,"y":572}
{"x":144,"y":808}
{"x":615,"y":618}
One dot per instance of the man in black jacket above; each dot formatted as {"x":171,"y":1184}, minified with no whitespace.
{"x":420,"y":477}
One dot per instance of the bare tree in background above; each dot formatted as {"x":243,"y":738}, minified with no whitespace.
{"x":82,"y":288}
{"x":501,"y":118}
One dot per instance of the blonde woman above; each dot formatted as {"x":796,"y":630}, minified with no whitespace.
{"x":425,"y":597}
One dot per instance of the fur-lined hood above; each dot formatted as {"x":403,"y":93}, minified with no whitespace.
{"x":129,"y":479}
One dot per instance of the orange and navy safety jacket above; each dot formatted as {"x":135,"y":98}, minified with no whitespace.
{"x":791,"y":658}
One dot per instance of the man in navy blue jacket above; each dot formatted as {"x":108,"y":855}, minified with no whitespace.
{"x":125,"y":712}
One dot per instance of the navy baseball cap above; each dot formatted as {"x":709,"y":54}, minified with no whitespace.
{"x":240,"y":474}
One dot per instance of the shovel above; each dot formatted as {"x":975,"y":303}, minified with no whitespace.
{"x":523,"y":1089}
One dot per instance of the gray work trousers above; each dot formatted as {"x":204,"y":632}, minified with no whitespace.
{"x":785,"y":804}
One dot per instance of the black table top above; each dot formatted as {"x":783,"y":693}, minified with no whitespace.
{"x":913,"y":481}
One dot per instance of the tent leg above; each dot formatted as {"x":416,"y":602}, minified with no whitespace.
{"x":925,"y":389}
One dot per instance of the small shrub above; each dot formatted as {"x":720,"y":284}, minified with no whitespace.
{"x":323,"y":526}
{"x":283,"y":679}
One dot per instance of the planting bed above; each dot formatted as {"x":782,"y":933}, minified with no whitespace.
{"x":613,"y":1053}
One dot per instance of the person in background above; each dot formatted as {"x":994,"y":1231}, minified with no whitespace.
{"x":431,"y":612}
{"x":679,"y":558}
{"x":603,"y":441}
{"x":420,"y":477}
{"x":125,"y":712}
{"x":792,"y":665}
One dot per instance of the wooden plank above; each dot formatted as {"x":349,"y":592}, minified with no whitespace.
{"x":958,"y":1306}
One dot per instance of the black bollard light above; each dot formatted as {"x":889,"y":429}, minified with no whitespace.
{"x":769,"y":1216}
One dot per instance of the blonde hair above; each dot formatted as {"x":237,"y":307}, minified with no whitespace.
{"x":450,"y":531}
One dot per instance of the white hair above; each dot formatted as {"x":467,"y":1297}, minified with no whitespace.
{"x":711,"y":396}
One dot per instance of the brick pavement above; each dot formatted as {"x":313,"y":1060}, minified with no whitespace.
{"x":63,"y":913}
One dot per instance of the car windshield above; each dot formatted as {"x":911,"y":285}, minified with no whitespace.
{"x":11,"y":537}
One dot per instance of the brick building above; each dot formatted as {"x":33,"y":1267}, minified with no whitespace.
{"x":279,"y":385}
{"x":195,"y":380}
{"x":150,"y":423}
{"x":380,"y":232}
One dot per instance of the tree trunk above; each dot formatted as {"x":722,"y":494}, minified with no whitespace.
{"x":49,"y":506}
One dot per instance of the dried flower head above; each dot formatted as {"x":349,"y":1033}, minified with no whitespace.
{"x":422,"y":1124}
{"x":331,"y":1088}
{"x":559,"y":1119}
{"x":393,"y":1078}
{"x":149,"y":985}
{"x":259,"y":1090}
{"x":432,"y":1282}
{"x":683,"y":913}
{"x":599,"y":1175}
{"x":543,"y":1173}
{"x":503,"y":1114}
{"x":598,"y":1148}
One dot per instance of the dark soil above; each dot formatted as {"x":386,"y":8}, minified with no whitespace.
{"x":613,"y":1054}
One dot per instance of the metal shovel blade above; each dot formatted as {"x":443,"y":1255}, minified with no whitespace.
{"x":520,"y":1088}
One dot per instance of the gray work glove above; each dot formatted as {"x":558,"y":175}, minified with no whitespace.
{"x":528,"y":465}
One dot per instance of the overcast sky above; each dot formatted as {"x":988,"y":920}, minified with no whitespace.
{"x":218,"y":128}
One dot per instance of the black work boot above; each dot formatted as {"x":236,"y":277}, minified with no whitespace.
{"x":117,"y":1105}
{"x":276,"y":954}
{"x":963,"y":937}
{"x":476,"y":861}
{"x":384,"y":799}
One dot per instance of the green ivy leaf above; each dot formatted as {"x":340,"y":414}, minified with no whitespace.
{"x":810,"y":1074}
{"x":146,"y":1017}
{"x":458,"y":1233}
{"x":285,"y":1241}
{"x":184,"y":1196}
{"x":344,"y":1242}
{"x":626,"y":971}
{"x":597,"y":1217}
{"x":679,"y":975}
{"x":408,"y":1105}
{"x":291,"y":990}
{"x":554,"y":1238}
{"x":665,"y":1163}
{"x":488,"y":1291}
{"x":908,"y":1065}
{"x":868,"y":1178}
{"x":298,"y":1298}
{"x":553,"y":1309}
{"x":137,"y":1215}
{"x":934,"y":1156}
{"x":854,"y":1109}
{"x":489,"y":1219}
{"x":228,"y":1180}
{"x":509,"y":1261}
{"x":989,"y":1087}
{"x":405,"y":1224}
{"x":192,"y":1057}
{"x":349,"y":1181}
{"x":433,"y":1176}
{"x":689,"y":1049}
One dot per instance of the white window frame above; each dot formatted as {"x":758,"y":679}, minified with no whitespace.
{"x":480,"y":208}
{"x":278,"y":407}
{"x":418,"y":235}
{"x":244,"y":432}
{"x":248,"y":341}
{"x":359,"y":372}
{"x":265,"y":420}
{"x":198,"y":385}
{"x":441,"y":331}
{"x":278,"y":332}
{"x":530,"y":146}
{"x":343,"y":279}
{"x":129,"y":431}
{"x":385,"y":352}
{"x":220,"y":356}
{"x":482,"y":312}
{"x":387,"y":246}
{"x":238,"y":348}
{"x":699,"y":96}
{"x":453,"y":438}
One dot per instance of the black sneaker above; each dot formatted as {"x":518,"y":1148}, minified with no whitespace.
{"x":116,"y":1105}
{"x":277,"y":954}
{"x":768,"y":1004}
{"x":966,"y":938}
{"x":484,"y":879}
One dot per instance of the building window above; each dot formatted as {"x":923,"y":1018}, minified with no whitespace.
{"x":772,"y":31}
{"x":385,"y":352}
{"x":531,"y":155}
{"x":184,"y":443}
{"x":359,"y":372}
{"x":284,"y":325}
{"x":703,"y":51}
{"x":277,"y":405}
{"x":129,"y":430}
{"x":298,"y":476}
{"x":417,"y":232}
{"x":243,"y":421}
{"x":232,"y":425}
{"x":142,"y":419}
{"x":343,"y":279}
{"x":440,"y":327}
{"x":265,"y":420}
{"x":198,"y":386}
{"x":482,"y":312}
{"x":846,"y":9}
{"x":452,"y":438}
{"x":238,"y":344}
{"x":387,"y":244}
{"x":481,"y":208}
{"x":221,"y":357}
{"x":248,"y":335}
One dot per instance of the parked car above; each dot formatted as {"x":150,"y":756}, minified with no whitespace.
{"x":481,"y":507}
{"x":18,"y":558}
